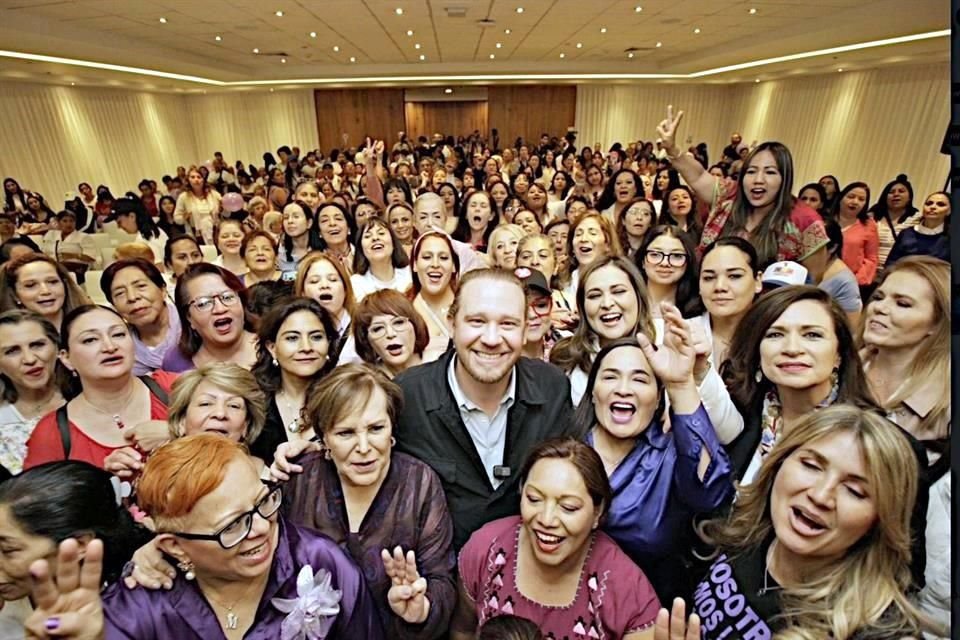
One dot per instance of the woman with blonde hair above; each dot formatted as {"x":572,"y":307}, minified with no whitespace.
{"x":819,"y":544}
{"x":905,"y":338}
{"x":221,"y":398}
{"x":502,"y":250}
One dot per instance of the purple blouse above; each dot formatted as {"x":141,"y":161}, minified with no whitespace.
{"x":184,"y":614}
{"x":409,"y":510}
{"x":177,"y":361}
{"x":656,"y":489}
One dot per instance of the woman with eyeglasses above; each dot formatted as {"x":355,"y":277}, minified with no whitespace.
{"x":389,"y":332}
{"x":668,"y":264}
{"x":539,"y":337}
{"x":537,"y":251}
{"x":215,"y":324}
{"x":97,"y":347}
{"x":245,"y":571}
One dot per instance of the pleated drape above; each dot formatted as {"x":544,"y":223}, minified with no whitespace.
{"x":864,"y":125}
{"x":53,"y":138}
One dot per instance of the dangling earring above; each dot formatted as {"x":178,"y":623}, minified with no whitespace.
{"x":187,"y":567}
{"x":759,"y":375}
{"x":275,"y":363}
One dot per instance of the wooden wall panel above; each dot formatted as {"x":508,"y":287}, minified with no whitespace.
{"x":529,"y":110}
{"x":453,"y":118}
{"x":358,"y":113}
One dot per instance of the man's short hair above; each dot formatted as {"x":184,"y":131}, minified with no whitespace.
{"x":497,"y":275}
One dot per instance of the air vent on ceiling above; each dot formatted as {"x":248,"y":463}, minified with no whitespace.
{"x":456,"y":11}
{"x":637,"y":49}
{"x":486,"y":22}
{"x":279,"y":54}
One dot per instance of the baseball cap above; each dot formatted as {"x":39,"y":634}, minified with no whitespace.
{"x":785,"y":273}
{"x":532,"y":279}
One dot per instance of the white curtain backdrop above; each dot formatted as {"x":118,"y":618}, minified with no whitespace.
{"x":53,"y":138}
{"x":867,"y":125}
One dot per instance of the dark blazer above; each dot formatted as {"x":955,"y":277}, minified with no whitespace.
{"x":430,"y":429}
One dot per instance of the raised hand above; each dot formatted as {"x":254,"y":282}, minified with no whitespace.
{"x":673,"y":625}
{"x":68,"y":605}
{"x":673,"y":361}
{"x":667,"y":130}
{"x":408,"y":595}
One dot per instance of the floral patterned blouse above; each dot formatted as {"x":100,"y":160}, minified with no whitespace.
{"x":613,"y":597}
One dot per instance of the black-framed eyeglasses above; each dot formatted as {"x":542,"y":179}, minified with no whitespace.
{"x":205,"y":304}
{"x":238,"y":529}
{"x":673,"y":259}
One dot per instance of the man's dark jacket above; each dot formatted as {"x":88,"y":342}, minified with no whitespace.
{"x":430,"y":428}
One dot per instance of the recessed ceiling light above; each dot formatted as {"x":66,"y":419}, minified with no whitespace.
{"x":753,"y":11}
{"x":638,"y":9}
{"x":507,"y":31}
{"x":519,"y":9}
{"x":492,"y":56}
{"x":255,"y":50}
{"x":352,"y":59}
{"x":279,"y":14}
{"x":313,"y":34}
{"x":218,"y":38}
{"x":757,"y":80}
{"x":416,"y":46}
{"x":499,"y":45}
{"x":840,"y":70}
{"x":630,"y":55}
{"x":271,"y":90}
{"x":73,"y":84}
{"x":336,"y":49}
{"x":448,"y":91}
{"x":659,"y":44}
{"x":579,"y":45}
{"x":603,"y":29}
{"x":423,"y":57}
{"x":399,"y":11}
{"x":409,"y":32}
{"x":283,"y":61}
{"x":163,"y":21}
{"x":563,"y":55}
{"x":697,"y":30}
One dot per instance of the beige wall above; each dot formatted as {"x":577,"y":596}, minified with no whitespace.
{"x":865,"y":125}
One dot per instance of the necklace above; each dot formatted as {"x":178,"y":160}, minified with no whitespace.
{"x":294,"y":426}
{"x":232,"y":619}
{"x":34,"y":408}
{"x":762,"y":591}
{"x":125,"y":402}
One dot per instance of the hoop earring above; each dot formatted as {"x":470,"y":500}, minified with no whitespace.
{"x":393,"y":441}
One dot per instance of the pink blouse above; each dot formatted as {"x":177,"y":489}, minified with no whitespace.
{"x":613,"y":597}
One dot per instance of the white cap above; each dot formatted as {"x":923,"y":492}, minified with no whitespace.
{"x":785,"y":273}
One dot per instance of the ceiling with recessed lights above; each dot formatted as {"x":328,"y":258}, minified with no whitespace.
{"x":230,"y":43}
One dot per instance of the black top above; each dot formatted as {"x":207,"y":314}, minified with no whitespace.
{"x":273,"y":434}
{"x":430,"y":428}
{"x":739,"y":599}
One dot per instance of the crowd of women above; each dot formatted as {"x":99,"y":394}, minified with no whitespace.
{"x":700,"y":402}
